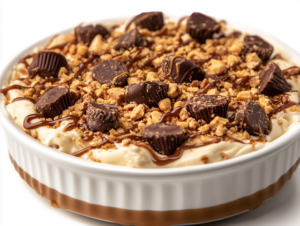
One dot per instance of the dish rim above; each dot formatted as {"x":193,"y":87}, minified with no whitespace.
{"x":81,"y":165}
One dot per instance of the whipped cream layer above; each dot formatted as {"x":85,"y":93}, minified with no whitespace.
{"x":138,"y":157}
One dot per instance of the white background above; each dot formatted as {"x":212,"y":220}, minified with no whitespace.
{"x":24,"y":22}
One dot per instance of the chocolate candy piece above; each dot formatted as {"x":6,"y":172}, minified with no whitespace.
{"x":54,"y":101}
{"x":149,"y":93}
{"x":87,"y":33}
{"x":272,"y":81}
{"x":152,"y":21}
{"x":130,"y":39}
{"x":201,"y":27}
{"x":111,"y":72}
{"x":46,"y":64}
{"x":256,"y":44}
{"x":207,"y":107}
{"x":101,"y":117}
{"x":164,"y":138}
{"x":252,"y":117}
{"x":181,"y":70}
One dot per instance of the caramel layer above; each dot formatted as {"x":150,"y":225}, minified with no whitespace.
{"x":159,"y":218}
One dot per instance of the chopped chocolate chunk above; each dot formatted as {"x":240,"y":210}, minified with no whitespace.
{"x":207,"y":107}
{"x":164,"y":138}
{"x":54,"y":101}
{"x":152,"y":21}
{"x":256,"y":44}
{"x":149,"y":93}
{"x":181,"y":70}
{"x":102,"y":117}
{"x":87,"y":33}
{"x":252,"y":117}
{"x":272,"y":81}
{"x":201,"y":27}
{"x":130,"y":39}
{"x":111,"y":72}
{"x":46,"y":64}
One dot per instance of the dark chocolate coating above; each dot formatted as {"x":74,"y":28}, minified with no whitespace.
{"x":46,"y":64}
{"x":130,"y":39}
{"x":256,"y":44}
{"x":272,"y":81}
{"x":252,"y":118}
{"x":164,"y":138}
{"x":207,"y":107}
{"x":106,"y":71}
{"x":152,"y":21}
{"x":102,"y":117}
{"x":149,"y":93}
{"x":54,"y":101}
{"x":87,"y":33}
{"x":182,"y":69}
{"x":201,"y":27}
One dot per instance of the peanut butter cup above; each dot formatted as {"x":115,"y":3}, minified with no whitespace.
{"x":181,"y":70}
{"x":201,"y":27}
{"x":87,"y":33}
{"x":102,"y":117}
{"x":272,"y":81}
{"x":256,"y":44}
{"x":54,"y":101}
{"x":130,"y":39}
{"x":164,"y":138}
{"x":152,"y":21}
{"x":252,"y":118}
{"x":149,"y":93}
{"x":111,"y":72}
{"x":46,"y":64}
{"x":207,"y":107}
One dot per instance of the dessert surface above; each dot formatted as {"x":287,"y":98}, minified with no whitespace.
{"x":153,"y":92}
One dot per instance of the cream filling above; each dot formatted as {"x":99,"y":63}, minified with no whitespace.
{"x":137,"y":157}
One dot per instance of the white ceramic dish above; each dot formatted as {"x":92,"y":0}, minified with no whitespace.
{"x":143,"y":197}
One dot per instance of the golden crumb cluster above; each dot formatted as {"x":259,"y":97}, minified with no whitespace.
{"x":227,"y":73}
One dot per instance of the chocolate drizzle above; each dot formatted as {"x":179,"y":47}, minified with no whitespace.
{"x":174,"y":113}
{"x":157,"y":159}
{"x":23,"y":98}
{"x":106,"y":141}
{"x":29,"y":118}
{"x":288,"y":72}
{"x":23,"y":60}
{"x":84,"y":65}
{"x":5,"y":90}
{"x":71,"y":126}
{"x":135,"y":58}
{"x":283,"y":107}
{"x":242,"y":83}
{"x":160,"y":32}
{"x":211,"y":85}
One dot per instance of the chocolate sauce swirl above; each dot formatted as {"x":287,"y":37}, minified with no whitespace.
{"x":5,"y":90}
{"x":29,"y":118}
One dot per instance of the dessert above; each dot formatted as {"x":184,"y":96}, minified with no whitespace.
{"x":155,"y":93}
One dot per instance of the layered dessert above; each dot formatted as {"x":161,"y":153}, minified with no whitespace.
{"x":153,"y":92}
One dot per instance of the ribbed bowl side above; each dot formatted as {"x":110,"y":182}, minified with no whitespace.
{"x":159,"y":194}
